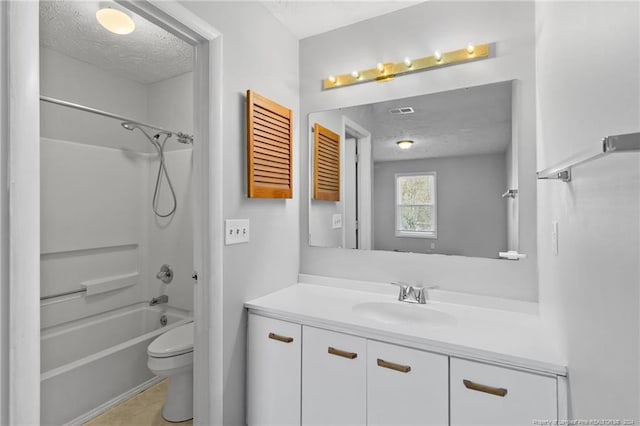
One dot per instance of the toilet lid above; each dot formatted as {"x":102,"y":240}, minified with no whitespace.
{"x":174,"y":342}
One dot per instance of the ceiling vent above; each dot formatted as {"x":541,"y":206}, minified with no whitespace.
{"x":402,"y":110}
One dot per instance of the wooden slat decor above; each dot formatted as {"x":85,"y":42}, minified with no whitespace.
{"x":269,"y":148}
{"x":326,"y":164}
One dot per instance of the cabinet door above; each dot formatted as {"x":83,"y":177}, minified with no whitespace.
{"x":406,"y":386}
{"x":273,"y":372}
{"x":483,"y":394}
{"x":333,"y":378}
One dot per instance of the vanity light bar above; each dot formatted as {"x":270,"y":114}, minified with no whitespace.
{"x":385,"y":72}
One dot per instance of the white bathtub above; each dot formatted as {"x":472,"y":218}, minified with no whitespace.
{"x":89,"y":364}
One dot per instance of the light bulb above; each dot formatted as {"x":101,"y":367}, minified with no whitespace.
{"x":407,"y":62}
{"x":355,"y":74}
{"x":470,"y":48}
{"x":437,"y":55}
{"x":115,"y":20}
{"x":405,"y":144}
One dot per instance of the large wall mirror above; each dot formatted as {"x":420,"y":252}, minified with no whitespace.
{"x":436,"y":173}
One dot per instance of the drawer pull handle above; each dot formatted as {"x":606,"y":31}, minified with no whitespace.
{"x":393,"y":366}
{"x":344,"y":354}
{"x":484,"y":388}
{"x":280,"y":338}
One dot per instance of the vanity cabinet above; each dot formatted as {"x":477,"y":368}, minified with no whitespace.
{"x":305,"y":375}
{"x":334,"y":380}
{"x":406,"y":386}
{"x":484,"y":394}
{"x":273,"y":372}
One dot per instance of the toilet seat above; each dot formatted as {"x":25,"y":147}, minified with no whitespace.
{"x":174,"y":342}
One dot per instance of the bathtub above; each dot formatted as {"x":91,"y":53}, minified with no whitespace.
{"x":91,"y":364}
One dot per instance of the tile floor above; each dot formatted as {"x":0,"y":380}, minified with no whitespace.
{"x":144,"y":409}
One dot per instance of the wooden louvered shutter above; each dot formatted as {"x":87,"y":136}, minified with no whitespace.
{"x":326,"y":164}
{"x":269,"y":148}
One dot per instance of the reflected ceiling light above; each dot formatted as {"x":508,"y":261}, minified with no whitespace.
{"x":407,"y":62}
{"x":438,"y":55}
{"x":380,"y":67}
{"x":115,"y":20}
{"x":405,"y":143}
{"x":470,"y":48}
{"x":332,"y":79}
{"x":355,"y":74}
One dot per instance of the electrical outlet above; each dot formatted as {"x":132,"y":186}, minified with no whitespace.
{"x":236,"y":231}
{"x":554,"y":237}
{"x":336,"y":221}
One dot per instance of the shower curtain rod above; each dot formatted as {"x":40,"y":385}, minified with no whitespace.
{"x":114,"y":116}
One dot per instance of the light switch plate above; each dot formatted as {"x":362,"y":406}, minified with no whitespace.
{"x":236,"y":231}
{"x":336,"y":222}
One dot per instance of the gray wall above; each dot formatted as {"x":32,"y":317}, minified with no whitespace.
{"x":471,"y":214}
{"x":4,"y":225}
{"x":590,"y":291}
{"x":258,"y":54}
{"x":417,"y":31}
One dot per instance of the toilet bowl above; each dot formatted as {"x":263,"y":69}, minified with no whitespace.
{"x":171,"y":355}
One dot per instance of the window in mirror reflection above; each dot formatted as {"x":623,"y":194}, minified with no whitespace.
{"x":416,"y":205}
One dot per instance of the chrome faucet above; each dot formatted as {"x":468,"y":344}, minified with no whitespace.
{"x":413,"y":294}
{"x":159,"y":300}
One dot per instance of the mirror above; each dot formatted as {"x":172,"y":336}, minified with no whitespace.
{"x":451,"y":188}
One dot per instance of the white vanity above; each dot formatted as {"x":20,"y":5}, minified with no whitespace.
{"x":338,"y":352}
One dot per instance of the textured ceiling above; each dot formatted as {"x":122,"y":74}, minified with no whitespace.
{"x":305,"y":18}
{"x":147,"y":55}
{"x":470,"y":121}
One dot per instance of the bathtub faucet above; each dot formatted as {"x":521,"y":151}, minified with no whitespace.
{"x":159,"y":300}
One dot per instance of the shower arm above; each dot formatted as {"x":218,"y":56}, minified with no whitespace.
{"x":182,"y":137}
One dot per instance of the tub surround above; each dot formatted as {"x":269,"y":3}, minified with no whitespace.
{"x":509,"y":333}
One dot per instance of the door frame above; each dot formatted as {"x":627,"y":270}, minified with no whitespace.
{"x":20,"y":252}
{"x":365,"y":182}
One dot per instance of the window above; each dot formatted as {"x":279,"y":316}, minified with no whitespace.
{"x":416,"y":205}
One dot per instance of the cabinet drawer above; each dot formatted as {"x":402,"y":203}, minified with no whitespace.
{"x":333,"y":378}
{"x":273,"y":372}
{"x":483,"y":394}
{"x":406,"y":386}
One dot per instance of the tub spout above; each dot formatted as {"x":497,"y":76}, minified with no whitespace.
{"x":159,"y":300}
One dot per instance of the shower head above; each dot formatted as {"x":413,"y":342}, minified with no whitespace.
{"x":129,"y":126}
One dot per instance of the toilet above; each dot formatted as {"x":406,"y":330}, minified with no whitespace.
{"x":171,"y":355}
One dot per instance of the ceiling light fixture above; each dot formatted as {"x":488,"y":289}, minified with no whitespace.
{"x":115,"y":20}
{"x":438,"y":55}
{"x":470,"y":48}
{"x":380,"y":67}
{"x":407,"y":62}
{"x":355,"y":74}
{"x":332,"y":79}
{"x":405,"y":144}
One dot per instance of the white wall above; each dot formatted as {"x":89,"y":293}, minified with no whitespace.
{"x":170,"y":240}
{"x":258,"y":54}
{"x":75,"y":81}
{"x":471,"y":215}
{"x":415,"y":32}
{"x":4,"y":224}
{"x":588,"y":63}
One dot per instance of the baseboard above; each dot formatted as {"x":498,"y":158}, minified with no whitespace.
{"x":118,"y":399}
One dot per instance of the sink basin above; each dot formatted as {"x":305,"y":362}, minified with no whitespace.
{"x":402,"y":313}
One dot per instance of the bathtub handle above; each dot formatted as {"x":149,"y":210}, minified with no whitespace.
{"x":166,"y":274}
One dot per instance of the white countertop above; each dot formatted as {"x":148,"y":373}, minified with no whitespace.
{"x":500,"y":336}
